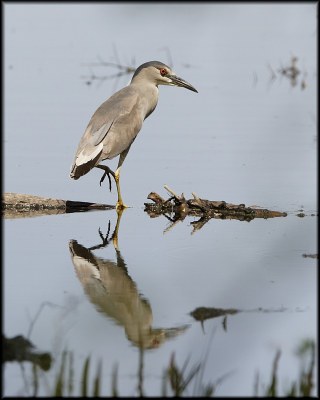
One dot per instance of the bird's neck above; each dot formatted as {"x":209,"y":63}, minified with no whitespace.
{"x":148,"y":97}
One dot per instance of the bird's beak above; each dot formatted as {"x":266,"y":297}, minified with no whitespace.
{"x":176,"y":81}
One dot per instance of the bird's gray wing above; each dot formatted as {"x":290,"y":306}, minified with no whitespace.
{"x":91,"y":145}
{"x":96,"y":137}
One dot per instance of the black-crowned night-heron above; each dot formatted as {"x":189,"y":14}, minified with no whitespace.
{"x":116,"y":123}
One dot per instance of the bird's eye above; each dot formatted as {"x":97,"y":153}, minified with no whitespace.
{"x":163,"y":71}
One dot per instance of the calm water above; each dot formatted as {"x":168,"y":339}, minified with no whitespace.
{"x":244,"y":138}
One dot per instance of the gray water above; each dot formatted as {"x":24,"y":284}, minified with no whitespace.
{"x":244,"y":138}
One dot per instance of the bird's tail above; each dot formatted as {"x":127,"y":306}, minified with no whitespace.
{"x":83,"y":167}
{"x":73,"y":172}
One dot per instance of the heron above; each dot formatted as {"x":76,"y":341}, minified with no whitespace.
{"x":116,"y":123}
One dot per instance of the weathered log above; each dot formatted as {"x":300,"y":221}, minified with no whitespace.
{"x":21,"y":349}
{"x":310,"y":255}
{"x":205,"y":209}
{"x":17,"y":205}
{"x":203,"y":313}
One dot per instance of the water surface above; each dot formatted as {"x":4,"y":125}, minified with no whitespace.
{"x":244,"y":138}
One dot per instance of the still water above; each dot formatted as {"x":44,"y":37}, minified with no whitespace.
{"x":248,"y":136}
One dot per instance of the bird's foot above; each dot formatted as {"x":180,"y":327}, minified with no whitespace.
{"x":106,"y":173}
{"x":120,"y":206}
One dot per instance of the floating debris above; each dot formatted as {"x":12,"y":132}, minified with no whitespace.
{"x":205,"y":209}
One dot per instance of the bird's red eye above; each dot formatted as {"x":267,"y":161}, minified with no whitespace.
{"x":163,"y":71}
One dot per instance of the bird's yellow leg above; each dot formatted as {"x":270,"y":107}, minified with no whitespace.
{"x":115,"y":233}
{"x":120,"y":204}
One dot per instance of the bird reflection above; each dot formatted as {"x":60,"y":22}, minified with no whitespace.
{"x":110,"y":288}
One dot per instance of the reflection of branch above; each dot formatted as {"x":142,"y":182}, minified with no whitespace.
{"x":173,"y":223}
{"x":197,"y":225}
{"x":255,"y":78}
{"x":291,"y":72}
{"x":121,"y":68}
{"x":273,"y":74}
{"x":125,"y":69}
{"x":34,"y":320}
{"x":169,"y":57}
{"x":122,"y":71}
{"x":118,"y":65}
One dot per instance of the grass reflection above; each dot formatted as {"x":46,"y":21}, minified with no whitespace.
{"x":185,"y":380}
{"x":177,"y":380}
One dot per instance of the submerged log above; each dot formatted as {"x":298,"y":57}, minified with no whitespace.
{"x":21,"y":349}
{"x":205,"y":209}
{"x":203,"y":313}
{"x":17,"y":205}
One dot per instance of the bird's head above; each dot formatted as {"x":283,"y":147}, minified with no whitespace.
{"x":160,"y":74}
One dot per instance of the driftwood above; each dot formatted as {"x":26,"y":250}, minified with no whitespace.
{"x":16,"y":205}
{"x":21,"y":349}
{"x":203,"y":313}
{"x":205,"y":209}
